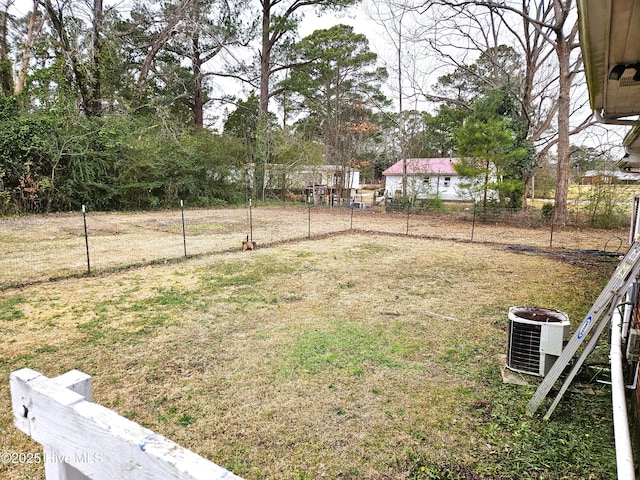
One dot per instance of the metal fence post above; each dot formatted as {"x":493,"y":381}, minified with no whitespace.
{"x":250,"y":222}
{"x":351,"y":226}
{"x":86,"y":238}
{"x":309,"y":219}
{"x":473,"y":222}
{"x":408,"y":209}
{"x":184,"y":230}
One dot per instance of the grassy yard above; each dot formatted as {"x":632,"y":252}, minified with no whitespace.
{"x":354,"y":356}
{"x":619,"y":193}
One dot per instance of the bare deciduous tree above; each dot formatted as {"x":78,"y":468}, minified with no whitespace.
{"x":279,"y":19}
{"x":6,"y":77}
{"x":36,"y":21}
{"x":390,"y":15}
{"x":80,"y":56}
{"x":175,"y":15}
{"x":547,"y":37}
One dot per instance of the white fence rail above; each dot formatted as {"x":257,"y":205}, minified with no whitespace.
{"x":82,"y":440}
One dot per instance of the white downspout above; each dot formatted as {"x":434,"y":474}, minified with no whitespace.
{"x":624,"y":455}
{"x":614,"y":121}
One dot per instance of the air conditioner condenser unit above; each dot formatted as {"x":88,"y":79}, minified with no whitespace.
{"x":536,"y":339}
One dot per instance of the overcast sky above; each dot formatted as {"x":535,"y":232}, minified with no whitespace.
{"x":381,"y":44}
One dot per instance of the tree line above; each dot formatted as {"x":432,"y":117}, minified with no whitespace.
{"x":134,"y":106}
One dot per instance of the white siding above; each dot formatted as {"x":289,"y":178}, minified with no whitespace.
{"x":442,"y":186}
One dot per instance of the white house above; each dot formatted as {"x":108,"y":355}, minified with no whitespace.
{"x":426,"y":178}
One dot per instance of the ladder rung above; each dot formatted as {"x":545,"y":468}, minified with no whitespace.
{"x":626,"y":272}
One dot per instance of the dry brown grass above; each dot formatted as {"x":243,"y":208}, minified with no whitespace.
{"x":38,"y":248}
{"x":344,"y":357}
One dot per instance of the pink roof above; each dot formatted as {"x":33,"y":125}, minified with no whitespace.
{"x":421,"y":166}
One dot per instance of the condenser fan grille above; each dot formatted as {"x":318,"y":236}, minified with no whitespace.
{"x":524,"y":347}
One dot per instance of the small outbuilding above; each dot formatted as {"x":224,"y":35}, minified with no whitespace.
{"x":426,"y":178}
{"x":592,"y":177}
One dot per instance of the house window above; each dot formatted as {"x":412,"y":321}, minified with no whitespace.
{"x":426,"y":180}
{"x":447,"y":181}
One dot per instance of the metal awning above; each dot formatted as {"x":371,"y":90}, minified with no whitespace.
{"x":610,"y":42}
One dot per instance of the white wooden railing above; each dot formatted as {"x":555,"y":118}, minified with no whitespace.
{"x":82,"y":440}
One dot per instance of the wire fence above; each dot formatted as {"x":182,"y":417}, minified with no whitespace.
{"x":44,"y":247}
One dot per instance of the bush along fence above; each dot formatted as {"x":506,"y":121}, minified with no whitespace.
{"x":82,"y":440}
{"x":40,"y":248}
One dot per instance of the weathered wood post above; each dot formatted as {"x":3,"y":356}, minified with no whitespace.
{"x":83,"y":440}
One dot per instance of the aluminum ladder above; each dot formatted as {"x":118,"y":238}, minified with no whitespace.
{"x":625,"y":274}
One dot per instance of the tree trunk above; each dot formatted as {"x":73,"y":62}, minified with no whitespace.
{"x":159,"y":42}
{"x":76,"y":74}
{"x":32,"y":31}
{"x":198,"y":96}
{"x":564,"y":111}
{"x":95,"y":101}
{"x":265,"y":58}
{"x":403,"y":150}
{"x":486,"y":186}
{"x":6,"y":77}
{"x":263,"y":110}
